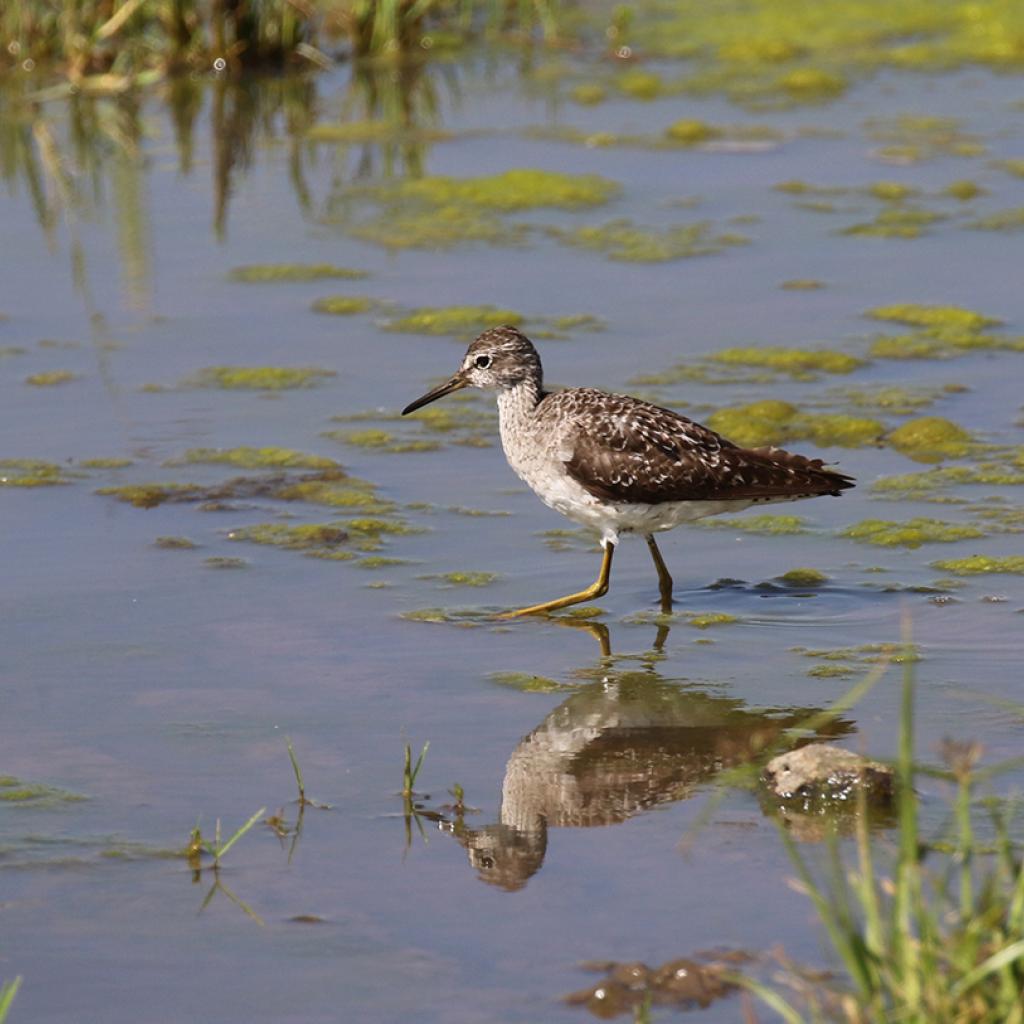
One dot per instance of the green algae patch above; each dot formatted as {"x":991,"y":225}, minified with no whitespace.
{"x":892,"y":191}
{"x":963,"y":189}
{"x":940,"y":319}
{"x":528,"y":683}
{"x":463,"y":578}
{"x":380,"y":562}
{"x":773,"y":422}
{"x":625,"y":241}
{"x":1001,"y":220}
{"x":268,"y":273}
{"x":225,"y":562}
{"x":373,"y":527}
{"x":31,"y":473}
{"x":765,"y":524}
{"x":930,"y":437}
{"x":709,"y":620}
{"x":34,"y":794}
{"x":344,"y":305}
{"x":910,"y":138}
{"x":174,"y":543}
{"x":1014,"y":167}
{"x":456,"y":320}
{"x":153,"y":494}
{"x":640,"y":85}
{"x":892,"y":399}
{"x":977,"y":565}
{"x":811,"y":85}
{"x":804,"y":578}
{"x":797,"y":362}
{"x":690,"y":132}
{"x":335,"y":494}
{"x":513,"y":190}
{"x":255,"y":458}
{"x":258,"y":378}
{"x":834,"y":671}
{"x":588,"y":94}
{"x":899,"y":222}
{"x":930,"y":485}
{"x":53,"y":378}
{"x":111,"y":463}
{"x":911,"y":533}
{"x":467,"y":618}
{"x":298,"y":537}
{"x":382,"y":440}
{"x":432,"y":227}
{"x":802,"y":284}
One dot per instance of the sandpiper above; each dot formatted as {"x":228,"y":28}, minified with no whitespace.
{"x":618,"y":464}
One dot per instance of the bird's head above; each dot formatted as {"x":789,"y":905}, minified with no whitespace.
{"x":500,"y":359}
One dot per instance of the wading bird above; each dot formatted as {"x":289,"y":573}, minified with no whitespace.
{"x":617,"y":464}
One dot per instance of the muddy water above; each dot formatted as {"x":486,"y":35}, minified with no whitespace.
{"x":147,"y":686}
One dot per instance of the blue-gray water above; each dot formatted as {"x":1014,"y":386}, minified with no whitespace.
{"x":163,"y":690}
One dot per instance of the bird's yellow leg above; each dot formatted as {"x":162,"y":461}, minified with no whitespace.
{"x":664,"y":578}
{"x":597,"y":589}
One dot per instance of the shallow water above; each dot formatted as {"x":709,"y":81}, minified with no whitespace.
{"x":162,"y":689}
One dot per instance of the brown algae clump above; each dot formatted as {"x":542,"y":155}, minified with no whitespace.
{"x":308,"y":535}
{"x":264,"y":273}
{"x":51,"y":379}
{"x":627,"y":242}
{"x":930,"y":436}
{"x":774,"y":422}
{"x":31,"y":473}
{"x":258,"y":378}
{"x":911,"y":533}
{"x":255,"y":458}
{"x":458,"y":320}
{"x":344,"y":305}
{"x":978,"y":564}
{"x":798,"y":362}
{"x":804,"y":578}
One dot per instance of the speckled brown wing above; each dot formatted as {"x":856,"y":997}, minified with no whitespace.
{"x":630,"y":451}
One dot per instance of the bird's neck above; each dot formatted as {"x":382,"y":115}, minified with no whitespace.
{"x":515,"y":418}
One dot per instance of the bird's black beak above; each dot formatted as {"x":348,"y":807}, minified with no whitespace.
{"x":455,"y":384}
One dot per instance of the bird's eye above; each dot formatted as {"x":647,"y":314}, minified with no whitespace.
{"x":482,"y":362}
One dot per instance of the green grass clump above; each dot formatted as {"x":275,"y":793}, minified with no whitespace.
{"x":31,"y":473}
{"x":976,"y":565}
{"x":457,"y":320}
{"x":936,"y":933}
{"x":627,"y":242}
{"x":798,"y":362}
{"x":265,"y":273}
{"x":912,"y":533}
{"x":256,"y":458}
{"x":344,"y":305}
{"x":51,"y":379}
{"x":258,"y":378}
{"x":300,"y":537}
{"x":765,"y":524}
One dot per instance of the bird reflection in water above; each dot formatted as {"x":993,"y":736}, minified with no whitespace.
{"x":628,"y":741}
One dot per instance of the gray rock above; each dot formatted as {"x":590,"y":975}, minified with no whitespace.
{"x":821,"y":773}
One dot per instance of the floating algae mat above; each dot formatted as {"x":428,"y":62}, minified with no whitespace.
{"x":440,"y":212}
{"x":31,"y":473}
{"x":457,"y":320}
{"x":257,"y":378}
{"x":941,"y":332}
{"x":630,"y":243}
{"x":911,"y":533}
{"x":264,"y":273}
{"x":255,"y":458}
{"x":773,"y":422}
